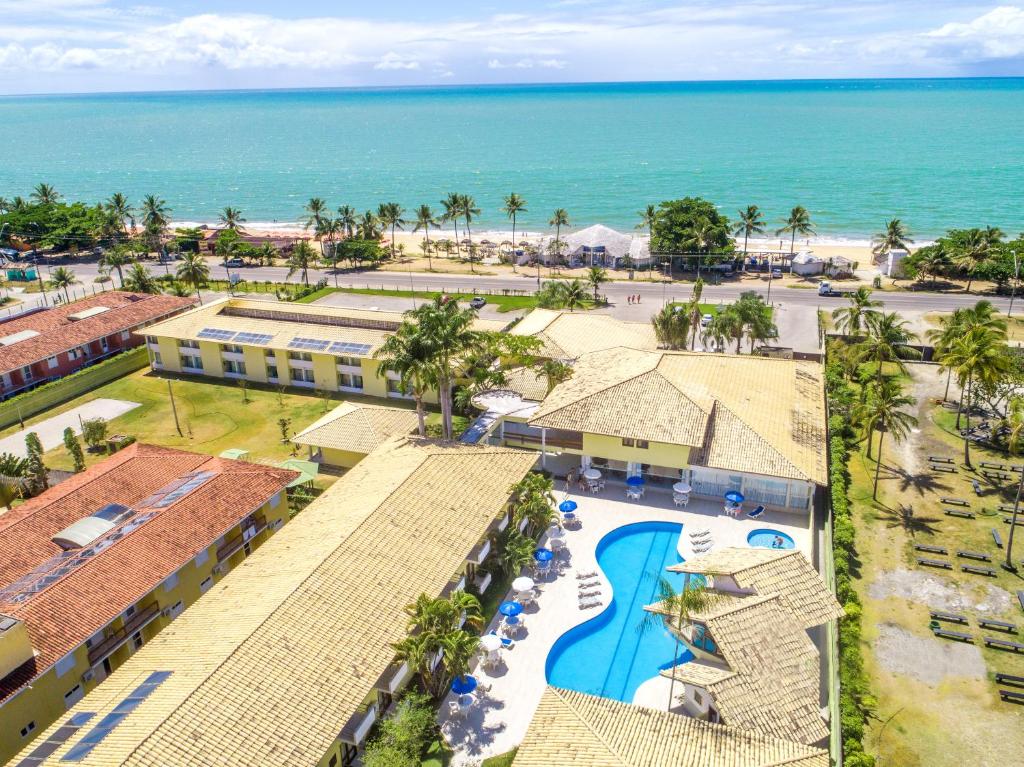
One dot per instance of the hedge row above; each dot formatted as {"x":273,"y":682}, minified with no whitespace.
{"x":855,"y":699}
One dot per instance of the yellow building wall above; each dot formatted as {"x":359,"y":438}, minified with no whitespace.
{"x":344,"y":458}
{"x":210,"y":353}
{"x":169,"y":353}
{"x":373,"y":385}
{"x":325,"y":372}
{"x":658,"y":454}
{"x":43,"y":702}
{"x":255,"y":363}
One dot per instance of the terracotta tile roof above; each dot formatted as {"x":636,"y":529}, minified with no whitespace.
{"x":57,"y":333}
{"x":568,"y":335}
{"x":68,"y":611}
{"x":751,"y":414}
{"x":277,"y":657}
{"x":571,"y":728}
{"x":359,"y":428}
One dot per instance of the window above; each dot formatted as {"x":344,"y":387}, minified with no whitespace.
{"x":201,"y":557}
{"x":628,"y":442}
{"x":643,"y":444}
{"x":247,"y":548}
{"x":28,"y":729}
{"x":150,"y":339}
{"x":129,"y":612}
{"x":698,"y":698}
{"x":171,"y":582}
{"x":231,"y":348}
{"x":188,"y":344}
{"x":137,"y":640}
{"x":272,"y":371}
{"x":350,"y":381}
{"x":304,"y":356}
{"x":237,"y":368}
{"x":26,"y":372}
{"x":104,"y":344}
{"x":352,"y":362}
{"x":65,"y":664}
{"x":72,"y":696}
{"x":157,"y":358}
{"x":51,"y":362}
{"x":125,"y":335}
{"x":176,"y":609}
{"x":301,"y":374}
{"x":189,"y":361}
{"x":206,"y":584}
{"x":333,"y":762}
{"x":395,"y":387}
{"x":95,"y":638}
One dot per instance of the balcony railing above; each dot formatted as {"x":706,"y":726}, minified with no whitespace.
{"x":231,"y":546}
{"x":133,"y":625}
{"x":568,"y":442}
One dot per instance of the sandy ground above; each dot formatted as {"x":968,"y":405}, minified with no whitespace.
{"x":939,"y":593}
{"x":926,"y":659}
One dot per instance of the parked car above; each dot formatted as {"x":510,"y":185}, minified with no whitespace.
{"x":776,"y":274}
{"x":705,"y":320}
{"x":478,"y":302}
{"x":234,"y":262}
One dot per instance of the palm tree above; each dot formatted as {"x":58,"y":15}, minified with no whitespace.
{"x":117,"y":258}
{"x":729,"y":323}
{"x":63,"y":278}
{"x":885,"y":414}
{"x":850,"y":320}
{"x":648,"y":217}
{"x":194,"y":270}
{"x":700,"y":238}
{"x":452,"y":210}
{"x":676,"y":607}
{"x":44,"y":194}
{"x":895,"y":237}
{"x":694,"y":311}
{"x":155,"y":217}
{"x":119,"y":207}
{"x":368,"y":226}
{"x":979,"y":355}
{"x":799,"y":222}
{"x":424,"y":220}
{"x":933,"y":261}
{"x":468,"y":209}
{"x":751,"y":221}
{"x":559,"y":219}
{"x":390,"y":215}
{"x":888,"y":340}
{"x":571,"y":294}
{"x":671,"y":327}
{"x":302,"y":259}
{"x":232,"y":219}
{"x":329,"y":229}
{"x":977,"y":249}
{"x":140,"y":280}
{"x":406,"y":354}
{"x":942,"y":339}
{"x":347,"y":220}
{"x":514,"y":205}
{"x":434,"y":627}
{"x":554,"y":372}
{"x":596,"y":277}
{"x":952,"y":327}
{"x":315,"y":210}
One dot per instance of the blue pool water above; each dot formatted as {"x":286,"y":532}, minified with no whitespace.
{"x":609,"y":655}
{"x":765,"y":539}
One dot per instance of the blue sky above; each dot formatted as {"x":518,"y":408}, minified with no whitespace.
{"x":51,"y":46}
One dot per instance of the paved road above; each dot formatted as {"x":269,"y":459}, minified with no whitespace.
{"x":51,"y":431}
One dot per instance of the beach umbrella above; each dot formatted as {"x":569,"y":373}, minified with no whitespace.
{"x":522,"y":584}
{"x":592,"y":474}
{"x":681,"y":487}
{"x":635,"y":481}
{"x":567,"y":506}
{"x":543,"y":555}
{"x":734,"y":496}
{"x":490,"y":642}
{"x":510,"y":609}
{"x":463,"y":685}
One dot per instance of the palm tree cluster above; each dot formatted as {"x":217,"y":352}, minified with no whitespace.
{"x":534,"y":502}
{"x":749,"y":317}
{"x":978,"y":253}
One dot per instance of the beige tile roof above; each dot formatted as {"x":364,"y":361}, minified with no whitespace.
{"x":524,"y":382}
{"x":359,"y":428}
{"x":568,"y":335}
{"x":275,"y":659}
{"x":571,"y":728}
{"x":772,"y":571}
{"x":751,"y":414}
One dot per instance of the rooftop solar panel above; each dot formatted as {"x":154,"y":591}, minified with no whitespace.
{"x":256,"y":339}
{"x":308,"y":344}
{"x":60,"y":736}
{"x":216,"y":334}
{"x":348,"y":347}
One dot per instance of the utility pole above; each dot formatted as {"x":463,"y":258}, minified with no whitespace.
{"x":174,"y":409}
{"x":1008,"y":564}
{"x":769,"y":280}
{"x":1013,"y":285}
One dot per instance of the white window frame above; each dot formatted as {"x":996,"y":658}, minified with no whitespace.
{"x":65,"y":664}
{"x":171,"y":582}
{"x":52,"y":362}
{"x":72,"y":696}
{"x":201,"y":557}
{"x":206,"y":584}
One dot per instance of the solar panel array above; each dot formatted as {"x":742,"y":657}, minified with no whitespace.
{"x":217,"y":334}
{"x":310,"y":319}
{"x":257,"y":339}
{"x":308,"y":344}
{"x":118,"y":714}
{"x":346,"y":347}
{"x":60,"y":736}
{"x":176,"y":490}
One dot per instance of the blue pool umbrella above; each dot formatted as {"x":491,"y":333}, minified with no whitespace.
{"x":463,"y":685}
{"x":635,"y":481}
{"x":543,"y":555}
{"x":734,"y":496}
{"x":567,"y":507}
{"x":510,"y":609}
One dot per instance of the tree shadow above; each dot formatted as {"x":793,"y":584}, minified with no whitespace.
{"x":922,"y":482}
{"x":912,"y":524}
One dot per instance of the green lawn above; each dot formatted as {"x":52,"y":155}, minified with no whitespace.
{"x":501,"y":760}
{"x":438,"y":755}
{"x":502,"y":303}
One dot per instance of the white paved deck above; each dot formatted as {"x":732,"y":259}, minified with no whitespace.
{"x":51,"y":431}
{"x":498,"y":720}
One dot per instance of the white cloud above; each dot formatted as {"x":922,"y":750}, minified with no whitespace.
{"x":998,"y":34}
{"x":392,"y":60}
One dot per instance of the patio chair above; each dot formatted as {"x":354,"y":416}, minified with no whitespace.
{"x":756,"y":512}
{"x":506,"y":642}
{"x":698,"y":534}
{"x":680,"y":500}
{"x":454,"y":710}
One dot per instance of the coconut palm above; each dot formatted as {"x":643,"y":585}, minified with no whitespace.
{"x":956,"y":325}
{"x":888,"y":340}
{"x":315,"y":210}
{"x":554,"y":372}
{"x":155,"y":217}
{"x":729,"y":323}
{"x":44,"y":194}
{"x":117,"y":258}
{"x":694,"y":310}
{"x":369,"y":226}
{"x":266,"y":254}
{"x":933,"y":261}
{"x":468,"y":209}
{"x":977,"y":249}
{"x":850,"y":320}
{"x":193,"y":270}
{"x":347,"y":220}
{"x":751,"y":221}
{"x":885,"y":413}
{"x":596,"y":277}
{"x":119,"y":207}
{"x":434,"y":628}
{"x":700,"y":238}
{"x":942,"y":339}
{"x":231,"y":218}
{"x":514,"y":205}
{"x":571,"y":294}
{"x":671,"y":327}
{"x":424,"y":220}
{"x":979,"y":355}
{"x":559,"y":219}
{"x":895,"y":237}
{"x":406,"y":354}
{"x":330,"y":229}
{"x":302,"y":259}
{"x":62,"y":278}
{"x":799,"y":222}
{"x":648,"y":217}
{"x":140,"y":280}
{"x":390,"y":215}
{"x":452,"y":211}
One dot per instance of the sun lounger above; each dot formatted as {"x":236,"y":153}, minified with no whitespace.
{"x":958,"y":635}
{"x":585,"y":575}
{"x":589,"y":593}
{"x":1004,"y":644}
{"x":930,"y":549}
{"x":934,"y":563}
{"x":949,"y":617}
{"x":1011,"y":697}
{"x":989,"y":623}
{"x":700,"y":535}
{"x":976,"y":555}
{"x":507,"y":642}
{"x":997,"y":538}
{"x":959,"y":513}
{"x":1017,"y":681}
{"x":976,"y":570}
{"x":955,"y":501}
{"x":588,"y":604}
{"x":757,"y":512}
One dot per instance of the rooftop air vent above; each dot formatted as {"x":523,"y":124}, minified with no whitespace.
{"x":85,"y":314}
{"x":14,"y":338}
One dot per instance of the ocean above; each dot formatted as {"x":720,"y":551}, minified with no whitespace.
{"x":935,"y":153}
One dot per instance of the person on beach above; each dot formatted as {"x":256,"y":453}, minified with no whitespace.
{"x":638,"y":298}
{"x":629,"y":299}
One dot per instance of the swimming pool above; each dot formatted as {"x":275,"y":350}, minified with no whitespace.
{"x":608,"y":655}
{"x":766,"y":539}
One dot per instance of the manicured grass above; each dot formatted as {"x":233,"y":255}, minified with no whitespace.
{"x":438,"y":755}
{"x":711,"y":309}
{"x":502,"y":303}
{"x":501,"y":760}
{"x":316,"y":294}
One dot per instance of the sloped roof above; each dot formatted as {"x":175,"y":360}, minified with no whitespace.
{"x":772,"y":571}
{"x":571,"y":728}
{"x":73,"y":608}
{"x":526,"y":382}
{"x":275,"y":658}
{"x":742,"y":413}
{"x":568,"y":335}
{"x":359,"y":428}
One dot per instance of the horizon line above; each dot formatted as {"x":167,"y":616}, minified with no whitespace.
{"x":456,"y":86}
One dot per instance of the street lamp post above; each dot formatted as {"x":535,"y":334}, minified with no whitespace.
{"x":769,"y":280}
{"x":1008,"y":564}
{"x":1013,"y":285}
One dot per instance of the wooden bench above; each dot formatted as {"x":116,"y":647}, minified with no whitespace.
{"x":975,"y":555}
{"x":1000,"y":475}
{"x":934,"y":563}
{"x":976,"y":570}
{"x":955,"y":501}
{"x":1008,"y":508}
{"x":940,"y":459}
{"x":989,"y":623}
{"x":1020,"y":598}
{"x":997,"y":538}
{"x":958,"y":635}
{"x":1011,"y":697}
{"x":948,"y":617}
{"x":930,"y":549}
{"x":1004,"y":644}
{"x":995,"y":466}
{"x":1020,"y":520}
{"x":943,"y":469}
{"x":959,"y":513}
{"x":1017,"y":681}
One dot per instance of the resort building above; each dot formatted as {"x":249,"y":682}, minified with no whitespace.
{"x":571,"y":728}
{"x":756,"y":667}
{"x":567,"y":336}
{"x":46,"y":344}
{"x":290,"y":660}
{"x":352,"y":431}
{"x":94,"y":568}
{"x":718,"y":422}
{"x":314,"y":347}
{"x":597,"y":245}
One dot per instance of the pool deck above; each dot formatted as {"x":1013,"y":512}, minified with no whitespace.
{"x":497,"y":722}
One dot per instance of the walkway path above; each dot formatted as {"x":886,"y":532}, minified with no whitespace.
{"x":51,"y":431}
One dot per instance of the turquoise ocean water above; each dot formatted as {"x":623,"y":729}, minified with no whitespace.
{"x":937,"y":153}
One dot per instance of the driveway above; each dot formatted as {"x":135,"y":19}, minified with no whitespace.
{"x":51,"y":431}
